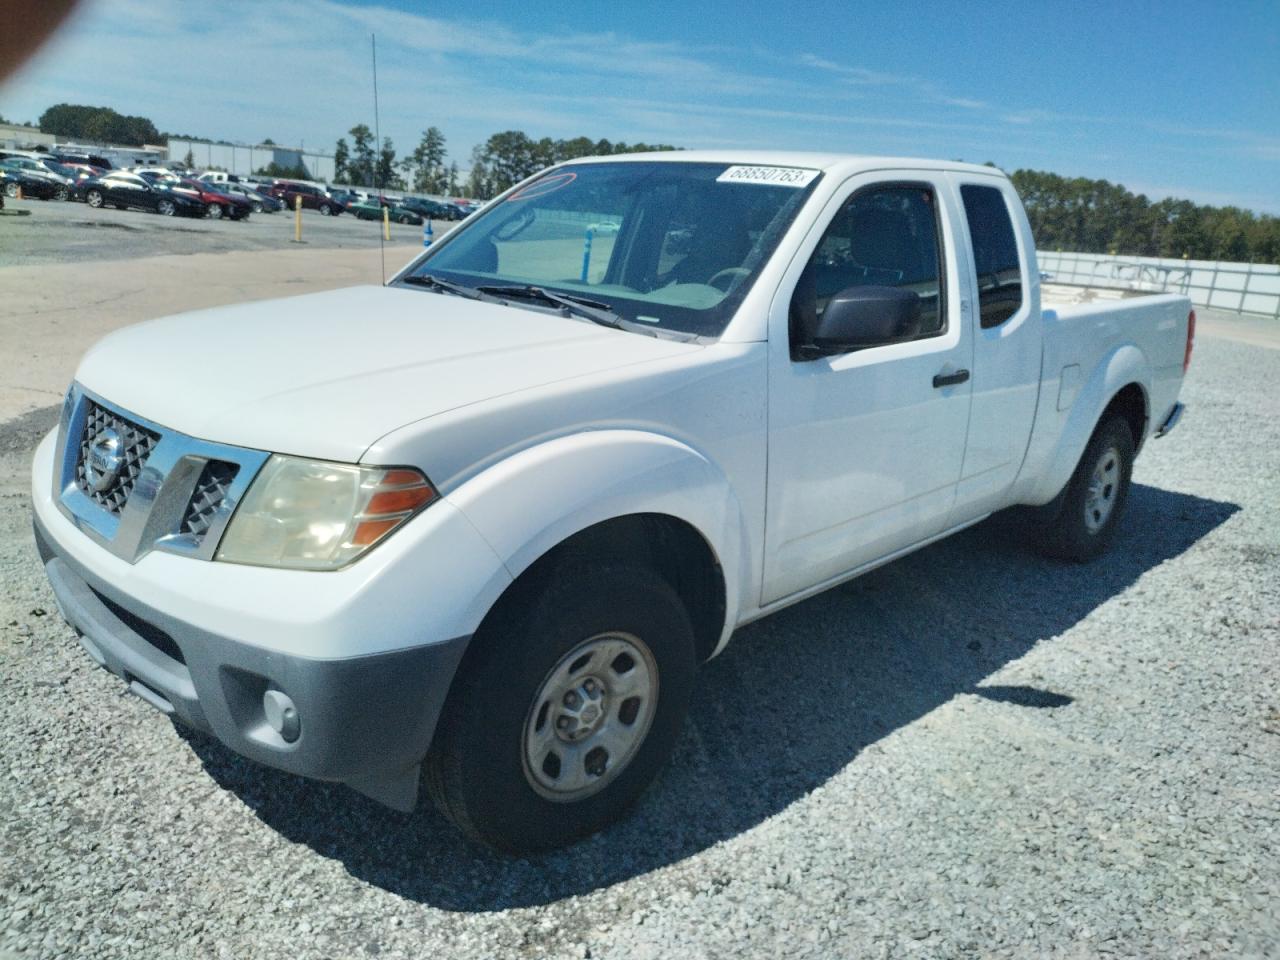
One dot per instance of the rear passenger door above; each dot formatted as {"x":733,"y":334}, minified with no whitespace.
{"x":1007,"y":337}
{"x":866,"y":446}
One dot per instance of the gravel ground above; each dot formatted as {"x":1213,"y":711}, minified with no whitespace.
{"x":54,"y":232}
{"x":970,"y":752}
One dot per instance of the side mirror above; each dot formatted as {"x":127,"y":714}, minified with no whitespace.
{"x":858,"y":317}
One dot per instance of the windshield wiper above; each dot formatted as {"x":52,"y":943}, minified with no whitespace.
{"x":445,"y":286}
{"x":592,"y":310}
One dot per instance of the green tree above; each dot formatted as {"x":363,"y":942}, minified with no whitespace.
{"x":361,"y":164}
{"x":386,"y":169}
{"x":79,"y":122}
{"x":424,"y":168}
{"x":341,"y":157}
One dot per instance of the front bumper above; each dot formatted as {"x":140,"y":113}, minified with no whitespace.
{"x":366,"y":721}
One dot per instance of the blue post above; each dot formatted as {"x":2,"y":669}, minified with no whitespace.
{"x":427,"y":234}
{"x":586,"y":253}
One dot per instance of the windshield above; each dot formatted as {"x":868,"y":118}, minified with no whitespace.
{"x":670,"y":245}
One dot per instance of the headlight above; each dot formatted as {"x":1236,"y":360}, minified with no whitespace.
{"x":316,"y":515}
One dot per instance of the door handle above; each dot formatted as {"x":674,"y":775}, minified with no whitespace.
{"x":950,"y":379}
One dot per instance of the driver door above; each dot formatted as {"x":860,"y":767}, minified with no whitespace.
{"x":866,"y":446}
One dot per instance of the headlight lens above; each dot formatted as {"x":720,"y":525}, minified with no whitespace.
{"x":317,"y":515}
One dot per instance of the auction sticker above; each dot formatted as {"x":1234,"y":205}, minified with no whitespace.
{"x":769,"y":176}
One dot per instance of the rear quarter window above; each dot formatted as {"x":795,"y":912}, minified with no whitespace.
{"x":995,"y":253}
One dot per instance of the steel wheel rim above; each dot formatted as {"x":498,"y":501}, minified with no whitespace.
{"x":1100,"y":495}
{"x":590,"y":715}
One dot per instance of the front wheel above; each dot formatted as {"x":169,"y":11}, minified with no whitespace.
{"x":567,"y":706}
{"x":325,"y":210}
{"x":166,"y":208}
{"x":11,"y":189}
{"x":93,"y":198}
{"x":62,"y":193}
{"x":257,"y":207}
{"x":1095,"y":496}
{"x":213,"y":211}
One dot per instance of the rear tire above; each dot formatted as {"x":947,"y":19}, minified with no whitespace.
{"x":1095,"y":497}
{"x":325,"y":210}
{"x":213,"y":211}
{"x":165,"y":208}
{"x":93,"y":198}
{"x":11,"y":189}
{"x":619,"y":633}
{"x":62,"y":193}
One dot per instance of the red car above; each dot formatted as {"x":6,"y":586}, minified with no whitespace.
{"x":313,"y":197}
{"x":219,"y":203}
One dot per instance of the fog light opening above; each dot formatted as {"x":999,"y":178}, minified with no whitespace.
{"x":282,"y":715}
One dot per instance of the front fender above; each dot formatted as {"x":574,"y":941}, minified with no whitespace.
{"x":536,"y":499}
{"x":1126,"y":364}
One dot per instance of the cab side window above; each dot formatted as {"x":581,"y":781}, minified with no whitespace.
{"x":995,"y":253}
{"x":882,"y":237}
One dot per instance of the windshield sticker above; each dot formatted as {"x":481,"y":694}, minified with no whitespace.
{"x":540,"y":188}
{"x":769,"y":176}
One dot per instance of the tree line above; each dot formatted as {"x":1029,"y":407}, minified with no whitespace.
{"x":1097,"y":216}
{"x":500,"y":162}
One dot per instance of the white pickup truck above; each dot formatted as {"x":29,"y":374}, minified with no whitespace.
{"x":475,"y":529}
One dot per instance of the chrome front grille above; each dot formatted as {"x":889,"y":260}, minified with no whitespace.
{"x":135,"y":486}
{"x":135,"y":445}
{"x":211,"y":489}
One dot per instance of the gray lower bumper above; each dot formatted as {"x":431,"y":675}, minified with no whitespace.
{"x":364,"y":721}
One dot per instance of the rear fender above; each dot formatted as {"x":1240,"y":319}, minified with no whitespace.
{"x":538,"y":498}
{"x":1123,"y":366}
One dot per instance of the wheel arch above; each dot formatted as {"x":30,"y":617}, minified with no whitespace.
{"x":1120,"y":385}
{"x":618,"y":494}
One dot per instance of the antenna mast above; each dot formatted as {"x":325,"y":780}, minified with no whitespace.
{"x":377,"y":153}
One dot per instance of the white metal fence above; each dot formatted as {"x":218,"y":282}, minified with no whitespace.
{"x":1238,"y":287}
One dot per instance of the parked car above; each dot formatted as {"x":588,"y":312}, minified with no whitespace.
{"x":479,"y":531}
{"x":87,"y":159}
{"x":313,"y":197}
{"x":259,"y":202}
{"x":218,"y":202}
{"x":433,"y":209}
{"x":40,"y":188}
{"x":372,"y":210}
{"x":124,"y":191}
{"x":60,"y":181}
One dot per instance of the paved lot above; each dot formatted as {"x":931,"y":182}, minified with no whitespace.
{"x":970,"y":752}
{"x":53,"y":232}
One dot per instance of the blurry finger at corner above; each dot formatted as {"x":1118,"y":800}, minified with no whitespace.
{"x":28,"y":24}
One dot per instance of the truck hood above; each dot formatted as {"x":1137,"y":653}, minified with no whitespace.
{"x":325,"y":375}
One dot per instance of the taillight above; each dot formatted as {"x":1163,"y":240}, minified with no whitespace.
{"x":1191,"y":340}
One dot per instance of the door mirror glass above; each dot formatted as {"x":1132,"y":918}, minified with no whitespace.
{"x":859,"y":317}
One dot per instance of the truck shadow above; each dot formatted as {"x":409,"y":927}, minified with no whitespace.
{"x":857,"y":662}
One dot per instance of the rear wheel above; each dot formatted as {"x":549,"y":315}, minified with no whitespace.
{"x":325,"y":210}
{"x":62,"y":193}
{"x":565,"y":709}
{"x":165,"y":208}
{"x":257,"y":207}
{"x":1094,"y":499}
{"x":213,"y":211}
{"x":11,"y":189}
{"x":93,"y":198}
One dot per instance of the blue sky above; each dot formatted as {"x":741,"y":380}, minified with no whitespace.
{"x":1175,"y":98}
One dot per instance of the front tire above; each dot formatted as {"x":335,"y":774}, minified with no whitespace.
{"x":94,"y":198}
{"x":213,"y":211}
{"x":568,"y":704}
{"x":325,"y":210}
{"x":165,"y":208}
{"x":1094,"y":499}
{"x":62,"y":193}
{"x":11,"y":189}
